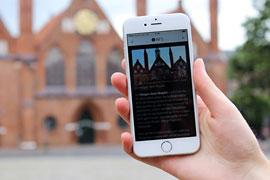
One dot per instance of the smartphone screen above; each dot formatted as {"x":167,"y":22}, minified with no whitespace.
{"x":161,"y":84}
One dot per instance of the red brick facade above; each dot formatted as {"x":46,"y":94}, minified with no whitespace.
{"x":28,"y":95}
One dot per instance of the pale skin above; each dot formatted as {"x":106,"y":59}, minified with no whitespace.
{"x":229,"y":149}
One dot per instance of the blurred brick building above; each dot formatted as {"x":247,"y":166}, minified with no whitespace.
{"x":55,"y":84}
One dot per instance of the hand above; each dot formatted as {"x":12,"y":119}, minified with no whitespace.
{"x":229,"y":149}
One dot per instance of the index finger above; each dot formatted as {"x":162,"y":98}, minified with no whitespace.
{"x":119,"y":81}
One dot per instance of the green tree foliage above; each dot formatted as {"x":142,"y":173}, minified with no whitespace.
{"x":249,"y":68}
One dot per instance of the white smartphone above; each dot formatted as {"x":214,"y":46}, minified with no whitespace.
{"x":159,"y":68}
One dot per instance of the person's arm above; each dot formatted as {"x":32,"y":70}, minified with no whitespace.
{"x":229,"y":149}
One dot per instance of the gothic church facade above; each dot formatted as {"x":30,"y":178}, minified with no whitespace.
{"x":55,"y":85}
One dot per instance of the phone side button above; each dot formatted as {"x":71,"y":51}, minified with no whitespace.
{"x":166,"y":146}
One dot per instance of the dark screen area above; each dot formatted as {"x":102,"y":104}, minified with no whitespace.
{"x":162,"y":90}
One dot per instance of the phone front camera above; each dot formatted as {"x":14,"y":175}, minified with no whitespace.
{"x":145,"y":24}
{"x":153,"y":39}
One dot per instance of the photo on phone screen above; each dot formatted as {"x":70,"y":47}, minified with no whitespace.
{"x":161,"y":84}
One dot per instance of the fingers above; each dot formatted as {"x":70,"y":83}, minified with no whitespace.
{"x":123,"y":64}
{"x":122,"y":106}
{"x":215,"y":100}
{"x":119,"y":81}
{"x":127,"y":142}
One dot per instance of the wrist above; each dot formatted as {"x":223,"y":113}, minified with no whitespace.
{"x":259,"y":171}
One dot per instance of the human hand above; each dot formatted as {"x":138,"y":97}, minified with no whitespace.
{"x":229,"y":149}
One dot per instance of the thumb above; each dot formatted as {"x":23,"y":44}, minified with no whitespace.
{"x":215,"y":100}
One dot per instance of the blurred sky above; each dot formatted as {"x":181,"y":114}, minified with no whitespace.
{"x":232,"y":13}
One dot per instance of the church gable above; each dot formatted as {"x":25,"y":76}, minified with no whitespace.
{"x":180,"y":68}
{"x":83,"y":17}
{"x":180,"y":62}
{"x":6,"y":40}
{"x":138,"y":68}
{"x":4,"y":34}
{"x":159,"y":62}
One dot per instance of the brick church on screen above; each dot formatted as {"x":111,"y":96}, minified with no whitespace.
{"x":55,"y":87}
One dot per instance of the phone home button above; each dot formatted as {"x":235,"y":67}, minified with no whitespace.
{"x":166,"y":146}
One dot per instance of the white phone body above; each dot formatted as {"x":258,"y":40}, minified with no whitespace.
{"x":151,"y":135}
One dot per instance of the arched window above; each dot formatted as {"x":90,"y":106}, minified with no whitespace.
{"x":55,"y":70}
{"x":114,"y":64}
{"x":85,"y":65}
